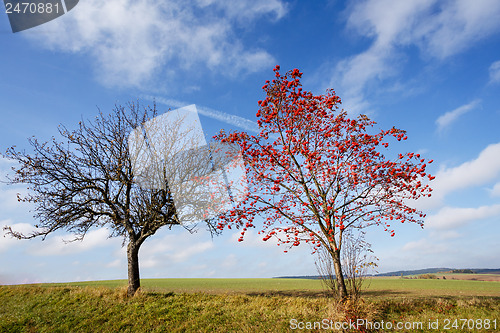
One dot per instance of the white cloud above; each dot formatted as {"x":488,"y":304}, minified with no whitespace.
{"x":131,"y":41}
{"x":229,"y":262}
{"x":445,"y":234}
{"x":495,"y":72}
{"x":373,"y":19}
{"x":387,"y":21}
{"x":453,"y":217}
{"x":356,"y":72}
{"x":425,"y":246}
{"x":252,"y":239}
{"x":177,"y":248}
{"x":117,"y":263}
{"x":59,"y":245}
{"x":6,"y":241}
{"x":6,"y":163}
{"x":8,"y":193}
{"x":495,"y":191}
{"x":247,"y":10}
{"x":448,"y":118}
{"x":8,"y":199}
{"x":482,"y":170}
{"x":5,"y":167}
{"x":439,"y":28}
{"x":434,"y":251}
{"x":457,"y":26}
{"x":183,"y":254}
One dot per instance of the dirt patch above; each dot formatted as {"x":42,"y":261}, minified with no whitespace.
{"x":471,"y":277}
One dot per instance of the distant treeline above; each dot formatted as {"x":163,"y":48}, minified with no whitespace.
{"x":464,"y":271}
{"x":412,"y":272}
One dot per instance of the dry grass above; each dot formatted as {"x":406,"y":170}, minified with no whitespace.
{"x":90,"y":309}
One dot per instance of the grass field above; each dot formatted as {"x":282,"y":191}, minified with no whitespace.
{"x":377,"y":287}
{"x":249,"y":305}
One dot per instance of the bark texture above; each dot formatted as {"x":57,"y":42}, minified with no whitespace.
{"x":134,"y":281}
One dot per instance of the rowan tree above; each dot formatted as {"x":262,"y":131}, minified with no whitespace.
{"x":313,"y":172}
{"x":86,"y":179}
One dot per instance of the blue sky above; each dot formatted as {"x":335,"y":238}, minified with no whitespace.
{"x":427,"y":66}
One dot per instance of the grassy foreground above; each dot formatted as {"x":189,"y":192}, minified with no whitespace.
{"x":248,"y":305}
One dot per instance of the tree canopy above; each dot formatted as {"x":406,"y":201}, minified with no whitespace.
{"x":85,"y":179}
{"x":313,"y":171}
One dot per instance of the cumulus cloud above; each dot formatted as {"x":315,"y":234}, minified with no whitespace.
{"x":448,"y":118}
{"x":425,"y":246}
{"x":248,"y":10}
{"x":5,"y":167}
{"x":59,"y":245}
{"x":453,"y":217}
{"x":129,"y":41}
{"x":356,"y":72}
{"x":176,"y":248}
{"x":8,"y":193}
{"x":455,"y":26}
{"x":372,"y":19}
{"x":440,"y":29}
{"x":495,"y":191}
{"x":252,"y":239}
{"x":8,"y":199}
{"x":495,"y":72}
{"x":6,"y":241}
{"x":117,"y":263}
{"x":480,"y":171}
{"x":442,"y":235}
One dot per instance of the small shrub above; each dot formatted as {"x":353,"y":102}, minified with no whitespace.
{"x":428,"y":276}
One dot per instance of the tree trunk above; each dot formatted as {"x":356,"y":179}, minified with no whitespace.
{"x":134,"y":281}
{"x":342,"y":290}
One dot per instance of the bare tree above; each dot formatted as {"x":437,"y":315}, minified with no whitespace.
{"x":98,"y":175}
{"x":357,"y":261}
{"x":326,"y":270}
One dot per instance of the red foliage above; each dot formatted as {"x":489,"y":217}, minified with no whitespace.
{"x":313,"y":171}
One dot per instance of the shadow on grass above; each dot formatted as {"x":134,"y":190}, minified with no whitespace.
{"x":383,"y":293}
{"x":290,"y":293}
{"x":159,"y":294}
{"x":480,"y":298}
{"x":321,"y":293}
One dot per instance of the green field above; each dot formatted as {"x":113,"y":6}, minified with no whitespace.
{"x":247,"y":305}
{"x":378,"y":287}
